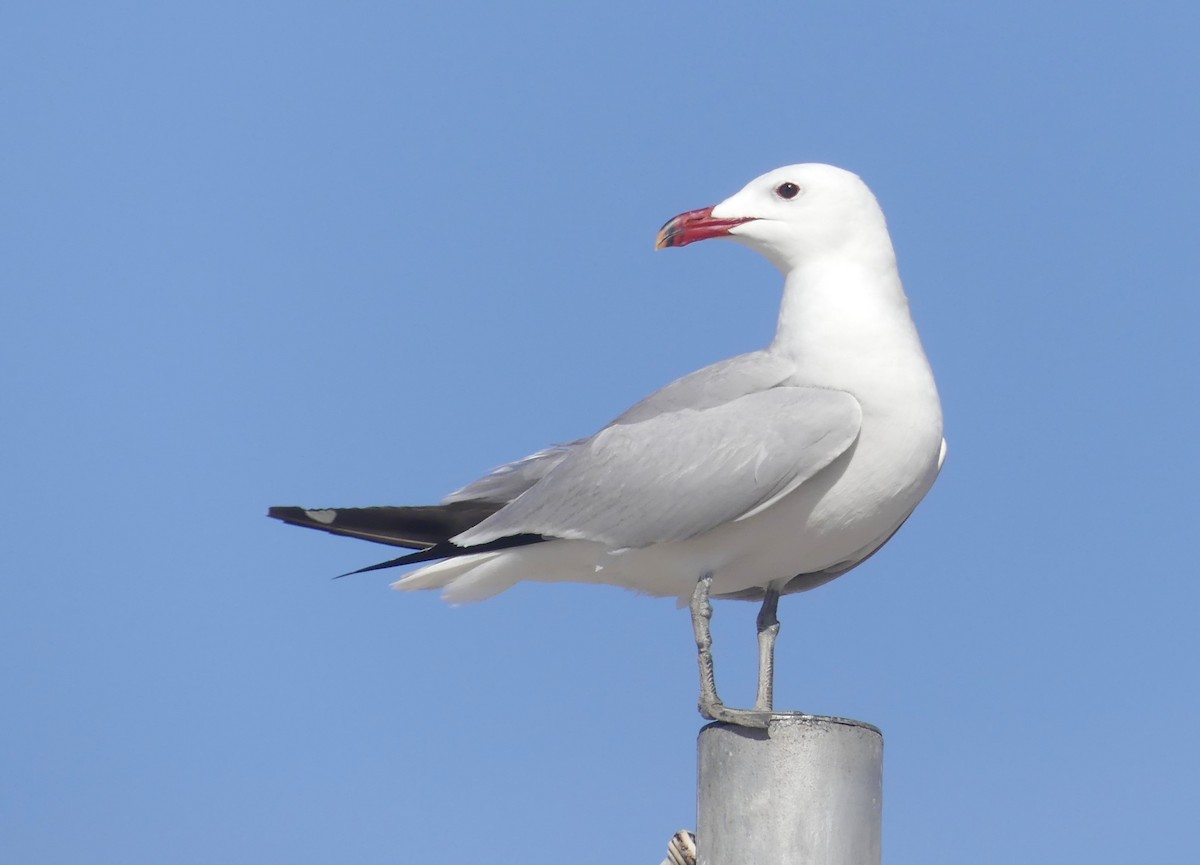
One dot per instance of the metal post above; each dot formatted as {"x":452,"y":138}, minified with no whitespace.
{"x":808,"y":790}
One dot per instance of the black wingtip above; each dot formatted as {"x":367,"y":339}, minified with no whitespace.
{"x":415,"y":527}
{"x":392,"y":563}
{"x":447,"y":550}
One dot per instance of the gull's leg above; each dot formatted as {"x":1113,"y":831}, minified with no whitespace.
{"x":701,"y":617}
{"x":711,"y":706}
{"x":768,"y":630}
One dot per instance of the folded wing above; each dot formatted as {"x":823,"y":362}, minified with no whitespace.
{"x":681,"y":473}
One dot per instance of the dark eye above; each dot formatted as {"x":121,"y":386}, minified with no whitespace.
{"x":787,"y":190}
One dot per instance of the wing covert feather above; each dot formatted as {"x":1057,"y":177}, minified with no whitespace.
{"x":681,"y":473}
{"x":708,"y":387}
{"x":504,"y":483}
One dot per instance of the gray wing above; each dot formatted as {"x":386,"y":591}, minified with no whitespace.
{"x":713,"y":385}
{"x":505,"y":483}
{"x":708,"y":387}
{"x":681,"y":473}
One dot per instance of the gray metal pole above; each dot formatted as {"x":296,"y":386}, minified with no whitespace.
{"x":808,"y":790}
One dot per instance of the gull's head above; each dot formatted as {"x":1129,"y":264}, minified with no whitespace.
{"x":791,"y":215}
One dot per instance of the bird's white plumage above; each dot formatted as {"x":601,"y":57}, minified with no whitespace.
{"x":799,"y":460}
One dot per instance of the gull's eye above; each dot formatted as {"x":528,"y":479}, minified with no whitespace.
{"x":787,"y":191}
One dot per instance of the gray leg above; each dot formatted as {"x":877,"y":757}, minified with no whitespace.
{"x":711,"y":706}
{"x":768,"y":630}
{"x":701,"y":617}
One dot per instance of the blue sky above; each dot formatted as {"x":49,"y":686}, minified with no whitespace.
{"x":340,"y":254}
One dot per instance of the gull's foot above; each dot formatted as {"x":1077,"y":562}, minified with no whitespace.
{"x":718,"y":711}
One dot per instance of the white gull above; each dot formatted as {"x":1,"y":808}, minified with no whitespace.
{"x":768,"y":473}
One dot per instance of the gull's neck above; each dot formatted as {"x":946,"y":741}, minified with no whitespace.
{"x":845,"y":321}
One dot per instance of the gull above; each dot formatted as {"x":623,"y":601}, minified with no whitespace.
{"x":769,"y":473}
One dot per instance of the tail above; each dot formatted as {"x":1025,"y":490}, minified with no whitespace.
{"x":426,"y":529}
